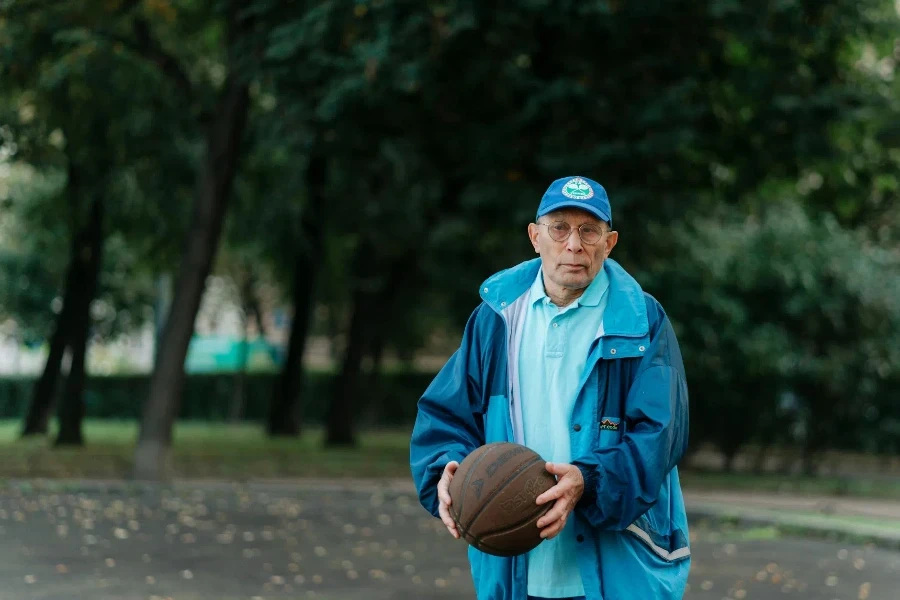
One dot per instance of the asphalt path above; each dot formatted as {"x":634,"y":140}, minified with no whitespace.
{"x":229,"y":542}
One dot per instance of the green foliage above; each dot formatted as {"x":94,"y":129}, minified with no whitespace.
{"x":90,"y":113}
{"x":441,"y":125}
{"x":779,"y":308}
{"x":684,"y":121}
{"x":28,"y":280}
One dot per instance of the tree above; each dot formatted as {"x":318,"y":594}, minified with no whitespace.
{"x":29,"y":281}
{"x":784,"y":306}
{"x":56,"y":66}
{"x":679,"y":124}
{"x":216,"y":171}
{"x":285,"y":418}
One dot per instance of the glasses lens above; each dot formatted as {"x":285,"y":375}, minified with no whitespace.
{"x":590,"y":234}
{"x":559,"y":230}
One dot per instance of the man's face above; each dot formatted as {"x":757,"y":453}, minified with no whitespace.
{"x":571,"y":263}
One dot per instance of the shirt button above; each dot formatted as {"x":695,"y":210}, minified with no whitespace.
{"x":641,"y":348}
{"x":556,"y":324}
{"x":612,"y":351}
{"x":577,"y":427}
{"x":485,"y":290}
{"x":504,"y":304}
{"x":580,"y":538}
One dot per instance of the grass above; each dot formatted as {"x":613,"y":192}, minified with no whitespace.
{"x":202,"y":450}
{"x":861,"y":487}
{"x":240,"y":452}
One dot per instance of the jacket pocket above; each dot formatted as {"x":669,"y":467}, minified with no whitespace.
{"x":667,"y":549}
{"x":630,"y":569}
{"x":610,"y":433}
{"x":670,"y":547}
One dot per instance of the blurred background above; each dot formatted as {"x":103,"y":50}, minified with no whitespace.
{"x":239,"y":237}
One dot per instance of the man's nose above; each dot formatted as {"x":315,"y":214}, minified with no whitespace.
{"x":573,"y":244}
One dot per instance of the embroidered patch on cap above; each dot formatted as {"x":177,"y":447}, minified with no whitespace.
{"x":577,"y":189}
{"x":609,"y":425}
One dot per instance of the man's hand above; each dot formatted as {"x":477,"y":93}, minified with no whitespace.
{"x":567,"y":492}
{"x":444,"y":497}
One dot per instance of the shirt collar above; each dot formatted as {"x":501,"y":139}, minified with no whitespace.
{"x":537,"y":290}
{"x":591,"y":296}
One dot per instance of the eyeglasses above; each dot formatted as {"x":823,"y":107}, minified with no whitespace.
{"x":560,"y":232}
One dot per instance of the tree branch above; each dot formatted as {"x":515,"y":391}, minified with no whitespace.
{"x":128,"y":6}
{"x":148,"y":47}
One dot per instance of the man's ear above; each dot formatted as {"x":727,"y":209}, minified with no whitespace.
{"x":533,"y":233}
{"x":611,"y":240}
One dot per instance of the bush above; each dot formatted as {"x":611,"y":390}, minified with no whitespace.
{"x":211,"y":397}
{"x":790,"y":330}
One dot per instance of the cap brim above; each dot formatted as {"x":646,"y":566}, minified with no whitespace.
{"x":580,"y":206}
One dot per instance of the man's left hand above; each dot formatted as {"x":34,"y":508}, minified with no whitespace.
{"x":567,"y":491}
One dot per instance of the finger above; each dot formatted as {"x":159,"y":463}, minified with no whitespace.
{"x":452,"y":529}
{"x":548,"y":533}
{"x":559,"y":511}
{"x":557,"y":491}
{"x":446,"y":478}
{"x":559,"y":469}
{"x":448,"y":520}
{"x":444,"y":492}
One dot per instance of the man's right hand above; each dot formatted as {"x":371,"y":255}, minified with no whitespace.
{"x":444,"y":497}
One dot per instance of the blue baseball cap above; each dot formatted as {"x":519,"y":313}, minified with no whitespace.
{"x":576,"y":192}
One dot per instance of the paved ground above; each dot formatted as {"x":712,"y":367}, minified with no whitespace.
{"x":860,"y":519}
{"x":828,"y":505}
{"x":223,"y":543}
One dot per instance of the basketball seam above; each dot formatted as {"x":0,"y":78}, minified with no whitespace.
{"x":509,"y":479}
{"x":544,"y":509}
{"x":496,"y":551}
{"x":465,"y":484}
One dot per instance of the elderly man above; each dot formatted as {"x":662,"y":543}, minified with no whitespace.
{"x":567,"y":355}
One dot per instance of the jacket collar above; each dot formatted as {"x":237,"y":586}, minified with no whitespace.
{"x":591,"y":296}
{"x":626,"y":310}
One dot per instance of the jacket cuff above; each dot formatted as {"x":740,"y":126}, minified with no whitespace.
{"x":437,"y":469}
{"x":591,"y":476}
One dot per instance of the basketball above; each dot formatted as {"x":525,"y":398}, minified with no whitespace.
{"x":492,"y":498}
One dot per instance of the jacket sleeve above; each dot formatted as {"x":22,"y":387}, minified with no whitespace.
{"x":448,"y":423}
{"x":622,"y":481}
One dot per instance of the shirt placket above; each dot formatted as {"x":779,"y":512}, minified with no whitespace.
{"x":557,"y":333}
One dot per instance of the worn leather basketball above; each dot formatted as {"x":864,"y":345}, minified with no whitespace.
{"x":493,"y":496}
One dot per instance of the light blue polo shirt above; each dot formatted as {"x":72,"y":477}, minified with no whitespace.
{"x":552,"y":357}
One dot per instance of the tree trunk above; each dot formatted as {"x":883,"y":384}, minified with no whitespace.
{"x":37,"y":419}
{"x":370,"y":311}
{"x":372,"y":383}
{"x":810,"y":461}
{"x":215,"y":181}
{"x":761,"y":458}
{"x":256,"y":311}
{"x":340,"y":421}
{"x":240,"y":380}
{"x":71,"y":412}
{"x":823,"y":413}
{"x":285,"y":415}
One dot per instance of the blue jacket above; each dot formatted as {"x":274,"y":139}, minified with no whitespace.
{"x":629,"y":430}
